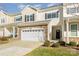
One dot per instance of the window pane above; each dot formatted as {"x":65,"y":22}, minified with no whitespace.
{"x":32,"y":17}
{"x":78,"y":9}
{"x":27,"y":17}
{"x":49,"y":15}
{"x":74,"y":30}
{"x":18,"y":18}
{"x":71,"y":10}
{"x":45,"y":15}
{"x":68,"y":11}
{"x":2,"y":20}
{"x":74,"y":27}
{"x":55,"y":15}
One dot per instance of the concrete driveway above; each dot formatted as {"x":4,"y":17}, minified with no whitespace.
{"x":18,"y":48}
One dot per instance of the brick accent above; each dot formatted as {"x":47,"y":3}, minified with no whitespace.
{"x":75,"y":39}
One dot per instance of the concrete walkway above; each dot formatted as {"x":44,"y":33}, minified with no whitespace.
{"x":18,"y":48}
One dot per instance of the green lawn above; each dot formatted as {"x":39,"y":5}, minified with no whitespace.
{"x":49,"y":51}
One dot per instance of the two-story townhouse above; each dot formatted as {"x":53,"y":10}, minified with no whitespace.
{"x":41,"y":24}
{"x":37,"y":24}
{"x":5,"y":20}
{"x":71,"y":22}
{"x":53,"y":23}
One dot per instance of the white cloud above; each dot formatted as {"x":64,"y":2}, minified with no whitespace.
{"x":37,"y":6}
{"x":52,"y":4}
{"x":28,"y":5}
{"x":21,"y":6}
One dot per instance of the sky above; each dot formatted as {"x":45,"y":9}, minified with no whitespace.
{"x":17,"y":7}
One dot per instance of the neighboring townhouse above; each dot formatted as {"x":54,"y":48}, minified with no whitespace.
{"x":71,"y":22}
{"x":5,"y":19}
{"x":53,"y":23}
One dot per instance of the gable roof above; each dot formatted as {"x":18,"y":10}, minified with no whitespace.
{"x":29,"y":7}
{"x":36,"y":9}
{"x":9,"y":13}
{"x":52,"y":7}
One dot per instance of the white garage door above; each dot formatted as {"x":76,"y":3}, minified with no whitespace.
{"x":32,"y":35}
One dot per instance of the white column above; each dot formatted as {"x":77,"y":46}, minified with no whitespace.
{"x":67,"y":25}
{"x":49,"y":32}
{"x":13,"y":31}
{"x":62,"y":30}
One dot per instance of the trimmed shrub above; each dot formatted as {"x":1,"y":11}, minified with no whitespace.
{"x":56,"y":45}
{"x":4,"y":39}
{"x":47,"y":43}
{"x":72,"y":43}
{"x":62,"y":43}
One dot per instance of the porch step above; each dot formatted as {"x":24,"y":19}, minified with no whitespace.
{"x":54,"y":41}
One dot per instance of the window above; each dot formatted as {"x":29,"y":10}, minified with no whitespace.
{"x":45,"y":15}
{"x":71,"y":10}
{"x":55,"y":15}
{"x":32,"y":17}
{"x":2,"y":20}
{"x":74,"y":30}
{"x":77,"y":9}
{"x":29,"y":17}
{"x":51,"y":15}
{"x":18,"y":18}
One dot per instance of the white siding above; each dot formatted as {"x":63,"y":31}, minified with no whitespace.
{"x":6,"y":32}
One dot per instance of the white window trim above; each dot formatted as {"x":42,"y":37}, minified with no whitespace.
{"x":77,"y":29}
{"x":69,"y":10}
{"x":3,"y":20}
{"x":29,"y":17}
{"x":51,"y":15}
{"x":72,"y":7}
{"x":15,"y":18}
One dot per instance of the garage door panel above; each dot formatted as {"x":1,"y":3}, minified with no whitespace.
{"x":32,"y":35}
{"x":41,"y":36}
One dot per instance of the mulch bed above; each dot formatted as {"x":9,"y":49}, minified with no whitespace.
{"x":77,"y":48}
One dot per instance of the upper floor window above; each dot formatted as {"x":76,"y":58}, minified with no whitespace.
{"x":2,"y":20}
{"x":18,"y":18}
{"x":29,"y":17}
{"x":72,"y":10}
{"x":51,"y":15}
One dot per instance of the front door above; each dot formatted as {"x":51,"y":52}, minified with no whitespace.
{"x":57,"y":34}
